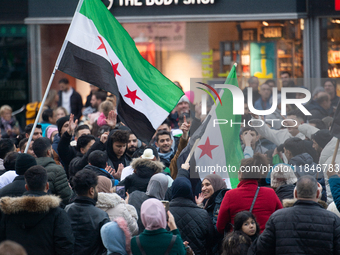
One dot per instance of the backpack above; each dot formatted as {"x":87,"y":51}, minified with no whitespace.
{"x":32,"y":112}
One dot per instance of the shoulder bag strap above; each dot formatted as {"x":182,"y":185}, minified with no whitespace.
{"x":172,"y":242}
{"x":140,"y":246}
{"x":257,"y":192}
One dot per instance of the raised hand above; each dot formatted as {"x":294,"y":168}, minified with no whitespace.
{"x":72,"y":125}
{"x":112,"y":119}
{"x":199,"y":199}
{"x":185,"y":127}
{"x":104,"y":137}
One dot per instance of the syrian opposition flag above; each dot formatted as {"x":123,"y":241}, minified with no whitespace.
{"x":219,"y":149}
{"x":98,"y":50}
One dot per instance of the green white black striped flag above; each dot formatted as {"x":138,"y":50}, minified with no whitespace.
{"x":98,"y":50}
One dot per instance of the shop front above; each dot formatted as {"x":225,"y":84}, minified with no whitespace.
{"x":187,"y":39}
{"x":14,"y":72}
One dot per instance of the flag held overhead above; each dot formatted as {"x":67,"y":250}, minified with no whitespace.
{"x":98,"y":50}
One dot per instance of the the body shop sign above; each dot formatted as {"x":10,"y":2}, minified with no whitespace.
{"x":162,"y":2}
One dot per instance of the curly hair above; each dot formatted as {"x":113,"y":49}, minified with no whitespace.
{"x":121,"y":136}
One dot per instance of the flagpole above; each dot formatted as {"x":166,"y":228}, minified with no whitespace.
{"x":192,"y":150}
{"x":40,"y":110}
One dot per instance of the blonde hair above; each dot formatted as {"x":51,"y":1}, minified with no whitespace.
{"x":63,"y":109}
{"x":5,"y":108}
{"x":50,"y":98}
{"x":106,"y":106}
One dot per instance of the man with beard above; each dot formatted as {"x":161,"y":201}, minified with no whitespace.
{"x":132,"y":145}
{"x":86,"y":219}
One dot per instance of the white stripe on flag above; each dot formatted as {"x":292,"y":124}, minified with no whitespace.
{"x":84,"y":34}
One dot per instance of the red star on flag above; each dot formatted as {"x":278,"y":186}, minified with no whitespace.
{"x":207,"y":148}
{"x":115,"y":67}
{"x":102,"y":46}
{"x":132,"y":95}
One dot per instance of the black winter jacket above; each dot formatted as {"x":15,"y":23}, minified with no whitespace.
{"x":285,"y":191}
{"x":144,"y":169}
{"x":194,"y":224}
{"x":81,"y":160}
{"x":86,"y":222}
{"x":36,"y":221}
{"x":66,"y":152}
{"x":14,"y":189}
{"x":305,"y":228}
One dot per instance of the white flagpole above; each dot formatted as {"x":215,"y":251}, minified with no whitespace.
{"x":50,"y":82}
{"x":40,"y":109}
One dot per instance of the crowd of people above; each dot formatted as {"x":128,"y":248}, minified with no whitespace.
{"x":87,"y":185}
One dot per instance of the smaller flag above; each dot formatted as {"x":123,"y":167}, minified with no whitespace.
{"x":219,"y":149}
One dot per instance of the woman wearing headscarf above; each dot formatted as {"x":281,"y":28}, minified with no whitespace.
{"x":157,"y":188}
{"x":116,"y":237}
{"x":193,"y":222}
{"x":213,"y":191}
{"x":248,"y":193}
{"x":155,"y":239}
{"x":114,"y":205}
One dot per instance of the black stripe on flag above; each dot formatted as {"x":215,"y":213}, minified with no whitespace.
{"x":136,"y":121}
{"x":87,"y":66}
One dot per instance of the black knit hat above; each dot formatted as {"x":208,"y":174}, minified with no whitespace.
{"x":23,"y":162}
{"x":322,"y":137}
{"x":61,"y":122}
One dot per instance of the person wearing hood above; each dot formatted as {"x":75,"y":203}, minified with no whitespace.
{"x":321,"y":107}
{"x":114,"y":206}
{"x":283,"y":181}
{"x":116,"y":237}
{"x":157,"y":188}
{"x":155,"y":239}
{"x":57,"y":178}
{"x":193,"y":222}
{"x":144,"y":169}
{"x":116,"y":150}
{"x":36,"y":220}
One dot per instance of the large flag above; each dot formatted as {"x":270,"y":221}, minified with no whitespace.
{"x":219,"y":149}
{"x":98,"y":50}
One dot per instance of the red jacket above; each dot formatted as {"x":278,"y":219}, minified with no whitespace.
{"x":241,"y":198}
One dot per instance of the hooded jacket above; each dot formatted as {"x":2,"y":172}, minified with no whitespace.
{"x":113,"y":161}
{"x":115,"y":207}
{"x":120,"y":245}
{"x":37,"y":223}
{"x":57,"y":178}
{"x":143,"y":170}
